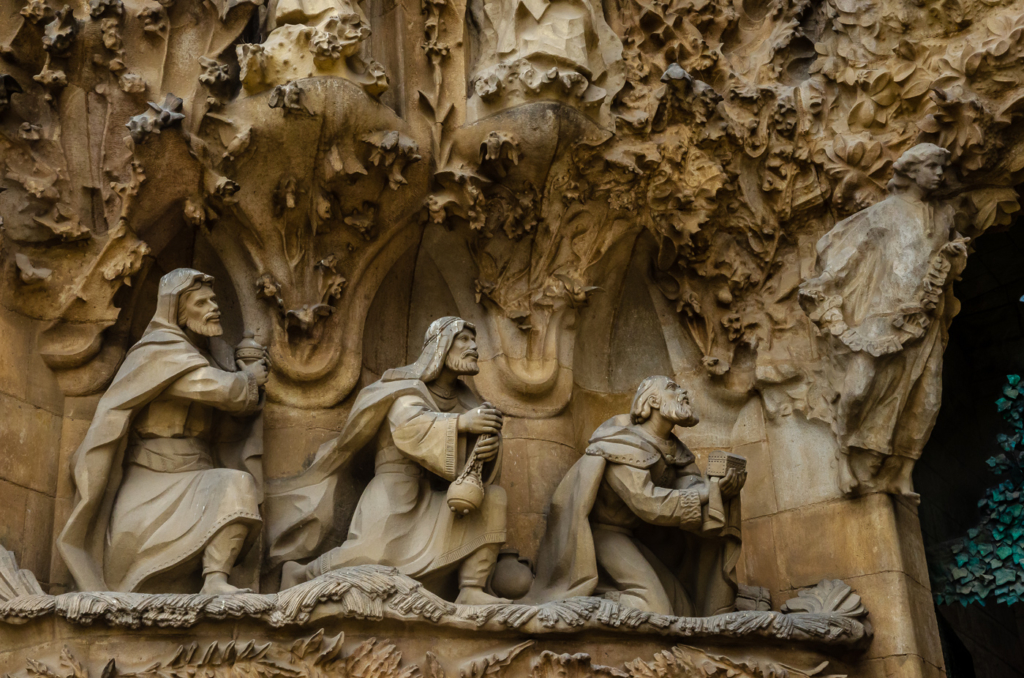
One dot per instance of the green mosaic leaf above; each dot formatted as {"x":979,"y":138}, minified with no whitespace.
{"x":988,"y":562}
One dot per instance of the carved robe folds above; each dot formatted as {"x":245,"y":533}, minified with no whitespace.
{"x":884,"y":294}
{"x":400,"y":519}
{"x":627,"y":522}
{"x":171,"y":472}
{"x":150,"y":496}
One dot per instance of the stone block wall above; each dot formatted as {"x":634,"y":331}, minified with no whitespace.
{"x":31,"y":426}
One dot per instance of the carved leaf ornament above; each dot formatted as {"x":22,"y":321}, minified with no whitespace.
{"x":319,"y":656}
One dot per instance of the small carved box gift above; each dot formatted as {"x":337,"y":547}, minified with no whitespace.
{"x":719,"y":463}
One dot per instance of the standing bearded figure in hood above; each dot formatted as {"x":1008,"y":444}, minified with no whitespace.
{"x":154,"y":506}
{"x":423,"y":422}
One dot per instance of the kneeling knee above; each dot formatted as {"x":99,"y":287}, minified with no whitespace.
{"x":495,"y":496}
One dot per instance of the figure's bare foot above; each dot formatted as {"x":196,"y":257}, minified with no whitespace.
{"x":904,"y":483}
{"x":216,"y":584}
{"x":474,"y":595}
{"x":293,"y":574}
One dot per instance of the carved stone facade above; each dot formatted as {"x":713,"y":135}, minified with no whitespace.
{"x":766,"y":202}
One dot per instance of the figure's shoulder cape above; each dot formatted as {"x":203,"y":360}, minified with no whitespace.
{"x":623,"y":454}
{"x":566,"y":560}
{"x":619,"y":442}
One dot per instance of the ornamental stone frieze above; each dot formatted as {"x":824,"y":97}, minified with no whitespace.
{"x":540,"y":337}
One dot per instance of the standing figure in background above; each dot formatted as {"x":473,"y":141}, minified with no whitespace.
{"x":884,"y":297}
{"x":634,"y":519}
{"x":425,"y":424}
{"x":168,"y":478}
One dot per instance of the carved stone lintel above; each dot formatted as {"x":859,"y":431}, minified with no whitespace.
{"x":377,"y":592}
{"x":321,"y":654}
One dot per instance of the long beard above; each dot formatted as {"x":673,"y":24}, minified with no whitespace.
{"x":678,"y":413}
{"x":204,"y":328}
{"x":462,"y":365}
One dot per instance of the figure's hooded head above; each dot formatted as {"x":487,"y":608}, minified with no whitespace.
{"x":443,"y":335}
{"x":185,"y":298}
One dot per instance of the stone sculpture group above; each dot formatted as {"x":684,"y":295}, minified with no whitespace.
{"x":169,"y":480}
{"x":592,"y":193}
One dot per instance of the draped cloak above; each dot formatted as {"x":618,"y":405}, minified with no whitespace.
{"x":703,"y":565}
{"x":878,"y":269}
{"x":163,"y":355}
{"x":401,"y":519}
{"x":301,"y":511}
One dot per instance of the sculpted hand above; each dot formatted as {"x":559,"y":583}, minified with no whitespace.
{"x":812,"y":290}
{"x":487,"y":447}
{"x":257,"y":369}
{"x":481,"y":420}
{"x":732,"y":483}
{"x":955,"y":248}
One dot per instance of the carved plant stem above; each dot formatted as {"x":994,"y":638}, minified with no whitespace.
{"x":437,"y":52}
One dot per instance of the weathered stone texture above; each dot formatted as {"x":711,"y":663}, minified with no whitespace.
{"x":606,"y":191}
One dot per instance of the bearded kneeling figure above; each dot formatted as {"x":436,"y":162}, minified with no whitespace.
{"x":426,"y":427}
{"x":168,"y":476}
{"x":635,"y":521}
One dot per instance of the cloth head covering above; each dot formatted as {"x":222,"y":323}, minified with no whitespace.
{"x":436,"y":344}
{"x":160,"y":357}
{"x":299,"y":511}
{"x":172,"y":286}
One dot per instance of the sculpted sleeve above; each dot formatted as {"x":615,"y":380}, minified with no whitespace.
{"x":234,"y":392}
{"x":651,"y":503}
{"x":429,"y":437}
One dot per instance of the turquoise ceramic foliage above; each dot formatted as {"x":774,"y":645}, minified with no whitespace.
{"x":987,"y":563}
